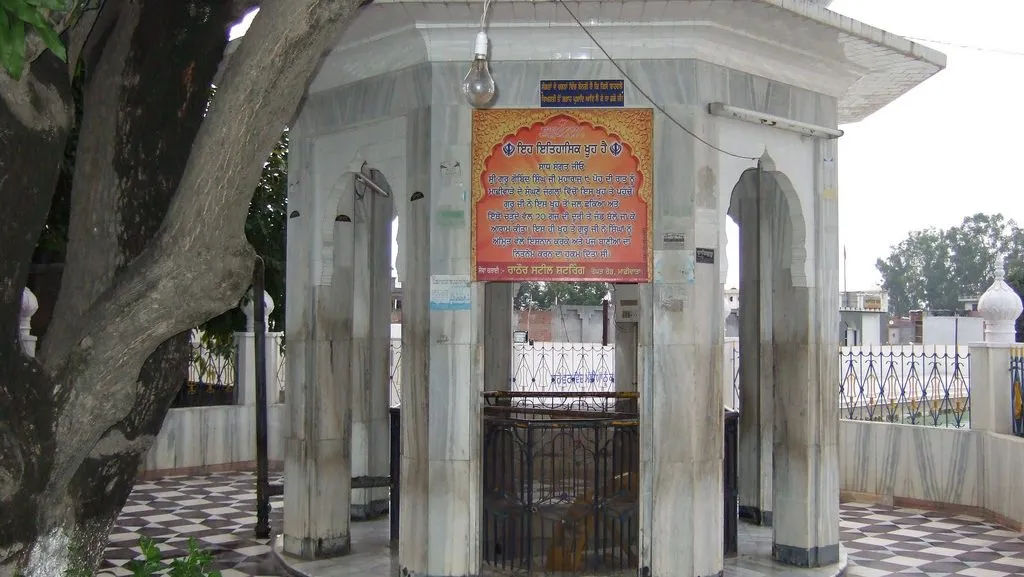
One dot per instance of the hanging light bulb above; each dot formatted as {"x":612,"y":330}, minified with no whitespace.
{"x":478,"y":86}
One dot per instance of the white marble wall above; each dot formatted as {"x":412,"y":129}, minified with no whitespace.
{"x":990,"y":387}
{"x":1002,"y":471}
{"x":933,"y":464}
{"x":245,"y":347}
{"x":686,"y":82}
{"x":195,"y":439}
{"x":442,"y":369}
{"x":978,"y":467}
{"x":680,"y":338}
{"x":319,"y":332}
{"x":805,"y":484}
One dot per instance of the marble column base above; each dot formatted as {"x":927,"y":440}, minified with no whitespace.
{"x":801,"y":557}
{"x":372,"y":510}
{"x":310,"y":549}
{"x":756,"y":516}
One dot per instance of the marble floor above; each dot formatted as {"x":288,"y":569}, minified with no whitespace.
{"x":219,"y":511}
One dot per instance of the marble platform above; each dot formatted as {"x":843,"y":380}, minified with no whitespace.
{"x":372,"y":556}
{"x":219,"y":511}
{"x":755,"y":557}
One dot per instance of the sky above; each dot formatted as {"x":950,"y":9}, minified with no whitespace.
{"x":947,"y":148}
{"x":940,"y":152}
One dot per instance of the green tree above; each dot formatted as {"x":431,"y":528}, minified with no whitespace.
{"x":933,"y":268}
{"x":159,"y":191}
{"x":539,"y":295}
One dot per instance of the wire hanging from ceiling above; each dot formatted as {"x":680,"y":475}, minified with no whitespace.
{"x":967,"y":46}
{"x":659,"y":107}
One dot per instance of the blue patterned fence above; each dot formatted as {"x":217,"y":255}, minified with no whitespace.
{"x":914,"y":385}
{"x":1017,"y":390}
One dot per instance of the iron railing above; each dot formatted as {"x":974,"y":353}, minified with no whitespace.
{"x":917,"y":385}
{"x":395,"y":373}
{"x":564,"y":403}
{"x":563,"y":367}
{"x":732,"y":350}
{"x":1017,"y":390}
{"x":278,"y":380}
{"x":211,"y":378}
{"x":560,"y":493}
{"x":546,"y":367}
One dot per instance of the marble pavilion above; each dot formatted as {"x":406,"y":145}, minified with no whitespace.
{"x":767,"y":80}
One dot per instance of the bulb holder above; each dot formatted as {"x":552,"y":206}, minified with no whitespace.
{"x":480,"y":48}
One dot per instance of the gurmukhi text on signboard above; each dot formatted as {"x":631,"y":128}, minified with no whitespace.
{"x":581,"y":93}
{"x":562,"y":195}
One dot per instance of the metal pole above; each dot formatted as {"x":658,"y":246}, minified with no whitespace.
{"x":604,"y":323}
{"x":262,"y":474}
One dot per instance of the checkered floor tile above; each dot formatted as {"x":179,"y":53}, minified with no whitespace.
{"x":882,"y":541}
{"x":220,"y":512}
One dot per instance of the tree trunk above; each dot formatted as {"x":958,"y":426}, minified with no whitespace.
{"x":35,"y":115}
{"x":156,"y":247}
{"x":144,"y":101}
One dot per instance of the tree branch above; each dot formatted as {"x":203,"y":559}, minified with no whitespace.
{"x":198,"y":266}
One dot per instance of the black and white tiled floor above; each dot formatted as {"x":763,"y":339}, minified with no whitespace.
{"x":219,"y":511}
{"x":883,"y":541}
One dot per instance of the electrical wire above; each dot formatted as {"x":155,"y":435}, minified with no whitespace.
{"x":966,"y":46}
{"x":483,"y":17}
{"x":643,"y":92}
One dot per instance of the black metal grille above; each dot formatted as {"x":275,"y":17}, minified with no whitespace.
{"x":560,"y":493}
{"x":211,"y":378}
{"x":908,"y":385}
{"x":1017,"y":390}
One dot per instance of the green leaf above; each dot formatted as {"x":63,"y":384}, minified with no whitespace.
{"x":12,"y":46}
{"x":61,"y":5}
{"x":25,"y":13}
{"x":52,"y":41}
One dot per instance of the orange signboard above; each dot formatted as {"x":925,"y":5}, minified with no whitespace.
{"x":562,"y":195}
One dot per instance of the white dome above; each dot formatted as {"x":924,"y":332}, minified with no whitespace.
{"x":1000,"y":306}
{"x":247,"y":310}
{"x":29,"y":306}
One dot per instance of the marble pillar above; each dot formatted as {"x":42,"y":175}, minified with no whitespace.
{"x":245,"y":359}
{"x":804,"y":320}
{"x":29,"y":306}
{"x":245,"y":365}
{"x":319,"y":332}
{"x":442,"y":373}
{"x":625,"y":339}
{"x":498,"y":336}
{"x":371,"y":327}
{"x":754,"y":461}
{"x":680,"y":334}
{"x":991,"y":401}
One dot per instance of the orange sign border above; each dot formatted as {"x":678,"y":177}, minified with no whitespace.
{"x":632,"y":125}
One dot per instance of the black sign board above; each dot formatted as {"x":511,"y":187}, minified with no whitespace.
{"x":582,"y":93}
{"x":706,"y":255}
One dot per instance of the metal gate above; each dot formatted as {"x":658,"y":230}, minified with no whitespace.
{"x":560,"y":483}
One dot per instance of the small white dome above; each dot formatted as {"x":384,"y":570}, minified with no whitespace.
{"x":29,"y":306}
{"x":247,"y":310}
{"x":1000,"y":306}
